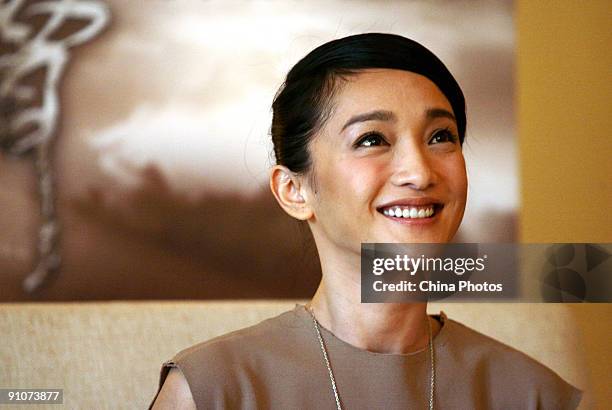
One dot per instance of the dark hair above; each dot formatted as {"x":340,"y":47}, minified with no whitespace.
{"x":302,"y":103}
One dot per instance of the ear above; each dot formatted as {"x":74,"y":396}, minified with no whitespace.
{"x":289,"y":191}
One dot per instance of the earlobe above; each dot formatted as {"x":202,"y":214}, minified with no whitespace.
{"x":287,"y":188}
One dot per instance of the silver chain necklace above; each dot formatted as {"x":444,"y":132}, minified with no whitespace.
{"x":331,"y":373}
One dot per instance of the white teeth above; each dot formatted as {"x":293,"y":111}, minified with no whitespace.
{"x":409,"y":212}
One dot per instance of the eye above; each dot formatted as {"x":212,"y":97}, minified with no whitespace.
{"x":371,"y":139}
{"x":444,"y":135}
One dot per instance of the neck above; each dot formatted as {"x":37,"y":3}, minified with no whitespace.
{"x":377,"y":327}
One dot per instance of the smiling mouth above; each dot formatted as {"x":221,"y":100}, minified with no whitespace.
{"x":411,"y":212}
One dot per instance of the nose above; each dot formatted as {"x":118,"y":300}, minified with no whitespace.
{"x":413,"y":168}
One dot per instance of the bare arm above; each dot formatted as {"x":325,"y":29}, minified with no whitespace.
{"x":175,"y":393}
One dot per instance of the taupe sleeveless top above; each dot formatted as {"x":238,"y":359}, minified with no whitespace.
{"x":278,"y":364}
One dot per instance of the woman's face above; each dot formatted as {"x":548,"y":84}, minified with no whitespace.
{"x":388,"y":156}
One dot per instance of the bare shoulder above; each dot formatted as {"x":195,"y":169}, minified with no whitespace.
{"x":175,"y":393}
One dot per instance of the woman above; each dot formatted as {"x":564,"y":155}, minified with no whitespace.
{"x":368,"y":133}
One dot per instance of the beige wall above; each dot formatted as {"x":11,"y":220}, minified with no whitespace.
{"x":565,"y":138}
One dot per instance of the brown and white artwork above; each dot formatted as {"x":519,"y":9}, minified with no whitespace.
{"x":135,"y":148}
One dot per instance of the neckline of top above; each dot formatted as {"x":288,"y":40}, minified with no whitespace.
{"x":332,"y":340}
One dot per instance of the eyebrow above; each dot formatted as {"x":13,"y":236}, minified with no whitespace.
{"x":432,"y":113}
{"x":383,"y":115}
{"x":378,"y":115}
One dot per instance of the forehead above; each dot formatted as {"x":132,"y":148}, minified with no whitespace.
{"x":403,"y":92}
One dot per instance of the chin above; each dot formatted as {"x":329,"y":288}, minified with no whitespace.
{"x":423,"y":237}
{"x":396,"y":239}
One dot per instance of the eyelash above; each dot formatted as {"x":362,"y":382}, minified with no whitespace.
{"x":367,"y":135}
{"x":451,"y":137}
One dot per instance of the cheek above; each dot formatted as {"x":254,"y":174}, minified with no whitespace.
{"x":454,"y":182}
{"x":456,"y":177}
{"x":361,"y":178}
{"x":351,"y":183}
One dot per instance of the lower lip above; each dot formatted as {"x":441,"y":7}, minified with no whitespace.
{"x":415,"y":221}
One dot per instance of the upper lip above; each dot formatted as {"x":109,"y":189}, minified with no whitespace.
{"x":411,"y":202}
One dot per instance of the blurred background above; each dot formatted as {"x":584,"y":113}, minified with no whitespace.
{"x":159,"y":144}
